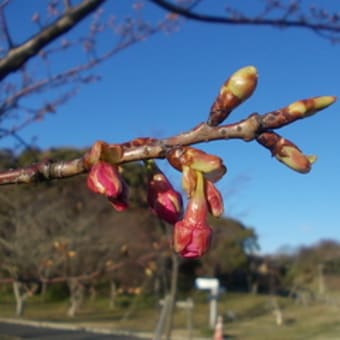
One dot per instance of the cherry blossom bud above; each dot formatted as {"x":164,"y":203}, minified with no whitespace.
{"x":286,"y":152}
{"x":297,"y":110}
{"x":192,"y":235}
{"x":191,"y":240}
{"x":211,"y":166}
{"x":105,"y":179}
{"x":214,"y":199}
{"x":235,"y":90}
{"x":162,"y":198}
{"x":308,"y":107}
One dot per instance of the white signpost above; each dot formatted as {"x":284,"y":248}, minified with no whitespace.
{"x":213,"y":285}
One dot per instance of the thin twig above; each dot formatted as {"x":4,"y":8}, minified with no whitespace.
{"x":18,"y":56}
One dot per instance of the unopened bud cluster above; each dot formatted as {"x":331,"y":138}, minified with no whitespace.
{"x":281,"y":148}
{"x":200,"y":171}
{"x":191,"y":232}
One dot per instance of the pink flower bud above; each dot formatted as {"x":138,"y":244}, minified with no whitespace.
{"x":162,"y":198}
{"x":192,"y":235}
{"x":105,"y":179}
{"x":191,"y":240}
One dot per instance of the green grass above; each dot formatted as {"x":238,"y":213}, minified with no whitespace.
{"x":253,"y":316}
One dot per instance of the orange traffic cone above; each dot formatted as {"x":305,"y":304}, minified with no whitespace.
{"x":218,"y":334}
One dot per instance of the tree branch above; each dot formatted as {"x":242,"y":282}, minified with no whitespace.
{"x":238,"y":87}
{"x":139,"y":149}
{"x":330,"y":27}
{"x":18,"y":56}
{"x":149,"y":148}
{"x":70,"y":76}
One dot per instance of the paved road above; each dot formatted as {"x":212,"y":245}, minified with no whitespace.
{"x":8,"y":330}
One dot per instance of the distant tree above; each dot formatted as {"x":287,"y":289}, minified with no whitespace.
{"x":71,"y":237}
{"x":310,"y":265}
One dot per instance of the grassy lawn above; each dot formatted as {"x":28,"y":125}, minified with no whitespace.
{"x":315,"y":321}
{"x":245,"y":316}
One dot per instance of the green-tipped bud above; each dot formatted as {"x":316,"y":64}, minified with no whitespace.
{"x":292,"y":156}
{"x":242,"y":83}
{"x":307,"y":107}
{"x":235,"y":90}
{"x":297,"y":110}
{"x":286,"y":152}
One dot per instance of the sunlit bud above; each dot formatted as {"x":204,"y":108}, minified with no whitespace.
{"x":291,"y":156}
{"x":192,"y":235}
{"x":211,"y":166}
{"x":297,"y":110}
{"x":101,"y":151}
{"x":235,"y":90}
{"x":214,"y":199}
{"x":308,"y":107}
{"x":286,"y":152}
{"x":162,"y":198}
{"x":105,"y":179}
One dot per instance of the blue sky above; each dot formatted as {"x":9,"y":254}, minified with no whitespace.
{"x":166,"y":85}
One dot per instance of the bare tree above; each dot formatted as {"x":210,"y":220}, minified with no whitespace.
{"x":273,"y":13}
{"x":30,"y":67}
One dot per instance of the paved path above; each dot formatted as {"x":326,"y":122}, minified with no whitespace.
{"x":21,"y":331}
